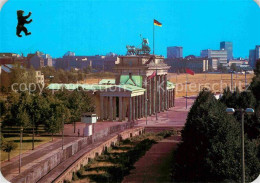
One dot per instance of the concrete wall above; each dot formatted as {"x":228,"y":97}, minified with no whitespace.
{"x":51,"y":160}
{"x":67,"y":174}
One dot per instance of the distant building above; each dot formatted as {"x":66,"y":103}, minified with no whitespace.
{"x":72,"y":62}
{"x":174,"y":52}
{"x":39,"y":77}
{"x":35,"y":59}
{"x":69,"y":54}
{"x":213,"y":63}
{"x":238,"y":62}
{"x":220,"y":54}
{"x":5,"y":77}
{"x":36,"y":62}
{"x":198,"y":65}
{"x":97,"y":62}
{"x":9,"y":55}
{"x":252,"y":58}
{"x":13,"y":58}
{"x":254,"y":55}
{"x":228,"y":46}
{"x":47,"y":60}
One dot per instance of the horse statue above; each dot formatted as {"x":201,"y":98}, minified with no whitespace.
{"x":145,"y":50}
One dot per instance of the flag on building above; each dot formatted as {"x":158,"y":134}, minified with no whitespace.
{"x":152,"y":76}
{"x":189,"y":71}
{"x":155,"y":22}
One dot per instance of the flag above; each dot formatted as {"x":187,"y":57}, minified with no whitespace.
{"x":155,"y":22}
{"x":189,"y":71}
{"x":257,"y":2}
{"x":151,"y":76}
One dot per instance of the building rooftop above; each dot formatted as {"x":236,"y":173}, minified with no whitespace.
{"x":107,"y":81}
{"x":94,"y":87}
{"x":102,"y":87}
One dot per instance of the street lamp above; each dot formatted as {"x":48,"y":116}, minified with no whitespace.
{"x":20,"y":158}
{"x":248,"y":111}
{"x":62,"y":132}
{"x":146,"y":100}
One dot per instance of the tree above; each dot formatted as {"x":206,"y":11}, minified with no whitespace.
{"x":2,"y":140}
{"x":243,"y":100}
{"x":255,"y":84}
{"x":53,"y":123}
{"x":38,"y":110}
{"x":2,"y":108}
{"x":18,"y":106}
{"x":77,"y":102}
{"x":233,"y":67}
{"x":211,"y":148}
{"x":222,"y":68}
{"x":8,"y":147}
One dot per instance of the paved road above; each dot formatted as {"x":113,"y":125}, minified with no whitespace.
{"x":174,"y":117}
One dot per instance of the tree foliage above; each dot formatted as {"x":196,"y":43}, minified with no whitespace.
{"x":211,"y":145}
{"x":9,"y":146}
{"x":31,"y":110}
{"x":62,"y":76}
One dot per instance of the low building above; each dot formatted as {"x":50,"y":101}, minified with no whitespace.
{"x":36,"y":62}
{"x":198,"y":65}
{"x":39,"y":77}
{"x":97,"y":62}
{"x":6,"y":77}
{"x":14,"y":55}
{"x":220,"y":54}
{"x":238,"y":62}
{"x":47,"y":60}
{"x":14,"y":60}
{"x":213,"y":64}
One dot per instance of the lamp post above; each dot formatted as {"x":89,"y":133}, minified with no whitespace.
{"x":245,"y":79}
{"x":62,"y":132}
{"x":232,"y":81}
{"x":20,"y":159}
{"x":146,"y":100}
{"x":242,"y":111}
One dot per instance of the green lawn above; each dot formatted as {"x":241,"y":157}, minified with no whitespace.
{"x":27,"y":145}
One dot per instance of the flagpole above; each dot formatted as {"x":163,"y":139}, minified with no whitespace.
{"x":186,"y":90}
{"x":156,"y":97}
{"x":153,"y":37}
{"x":146,"y":101}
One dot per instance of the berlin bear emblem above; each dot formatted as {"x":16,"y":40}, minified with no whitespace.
{"x":21,"y":21}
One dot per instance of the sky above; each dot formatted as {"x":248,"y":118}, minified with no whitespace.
{"x":91,"y":27}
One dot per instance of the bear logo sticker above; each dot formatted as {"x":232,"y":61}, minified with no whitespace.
{"x":21,"y":21}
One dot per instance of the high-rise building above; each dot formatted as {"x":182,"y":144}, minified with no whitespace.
{"x":174,"y":52}
{"x":219,"y":54}
{"x":257,"y":52}
{"x":252,"y":58}
{"x":228,"y":46}
{"x":254,"y":55}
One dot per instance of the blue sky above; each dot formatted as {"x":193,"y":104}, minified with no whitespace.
{"x":90,"y":27}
